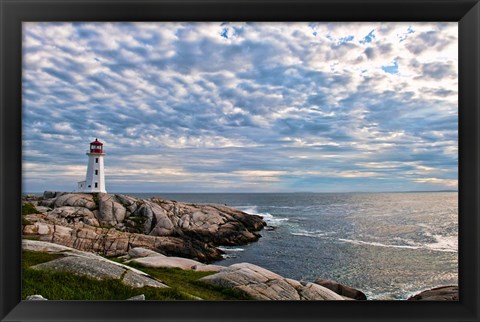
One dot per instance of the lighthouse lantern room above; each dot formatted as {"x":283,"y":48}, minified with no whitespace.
{"x":95,"y":178}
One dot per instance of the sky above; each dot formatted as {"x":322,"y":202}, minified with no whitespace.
{"x":242,"y":107}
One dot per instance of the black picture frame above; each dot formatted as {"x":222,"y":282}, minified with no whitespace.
{"x":13,"y":12}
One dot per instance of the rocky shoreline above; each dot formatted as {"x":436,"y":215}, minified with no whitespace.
{"x":159,"y":233}
{"x":111,"y":224}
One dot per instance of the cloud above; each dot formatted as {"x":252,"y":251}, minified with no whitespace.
{"x":242,"y":106}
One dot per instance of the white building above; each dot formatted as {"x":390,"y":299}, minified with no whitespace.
{"x":95,"y":178}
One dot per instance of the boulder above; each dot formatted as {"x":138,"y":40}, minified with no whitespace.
{"x":52,"y":194}
{"x":340,"y":289}
{"x":128,"y":202}
{"x":35,"y":298}
{"x":176,"y":262}
{"x":41,"y":246}
{"x":43,"y":209}
{"x":142,"y":252}
{"x":74,"y":215}
{"x":110,"y":211}
{"x":99,"y":268}
{"x":140,"y":297}
{"x":83,"y":266}
{"x":261,"y":284}
{"x":442,"y":293}
{"x":75,"y":200}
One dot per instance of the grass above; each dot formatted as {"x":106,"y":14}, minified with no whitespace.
{"x":26,"y":222}
{"x":28,"y":208}
{"x":187,"y":281}
{"x":33,"y":258}
{"x":96,"y":201}
{"x":66,"y":286}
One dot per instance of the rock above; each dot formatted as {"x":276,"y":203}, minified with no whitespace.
{"x":261,"y":284}
{"x":113,"y":224}
{"x":111,"y":242}
{"x":140,"y":297}
{"x":43,"y":209}
{"x":128,"y":202}
{"x":41,"y":246}
{"x":93,"y":266}
{"x":74,"y":215}
{"x":163,"y":224}
{"x":312,"y":291}
{"x":209,"y":268}
{"x":142,"y":252}
{"x":83,"y":266}
{"x":30,"y":198}
{"x":35,"y":298}
{"x":176,"y":262}
{"x":110,"y":210}
{"x":340,"y":289}
{"x":442,"y":293}
{"x":76,"y":200}
{"x":52,"y":194}
{"x":136,"y":280}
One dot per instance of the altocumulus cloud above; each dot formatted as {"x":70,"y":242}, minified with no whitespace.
{"x":203,"y":107}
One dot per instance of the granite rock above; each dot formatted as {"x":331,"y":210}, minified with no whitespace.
{"x":343,"y":290}
{"x":261,"y":284}
{"x":442,"y":293}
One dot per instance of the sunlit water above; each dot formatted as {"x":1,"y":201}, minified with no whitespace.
{"x":389,"y":245}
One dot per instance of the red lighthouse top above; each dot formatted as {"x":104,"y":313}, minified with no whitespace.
{"x":96,"y":146}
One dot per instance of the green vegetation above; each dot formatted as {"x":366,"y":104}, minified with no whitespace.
{"x":33,"y":258}
{"x":67,"y":286}
{"x":184,"y":285}
{"x":96,"y":201}
{"x":187,"y":281}
{"x":28,"y":208}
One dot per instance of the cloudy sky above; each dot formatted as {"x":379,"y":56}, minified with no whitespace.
{"x":242,"y":107}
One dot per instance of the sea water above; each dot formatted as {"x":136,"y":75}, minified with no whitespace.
{"x":389,"y":245}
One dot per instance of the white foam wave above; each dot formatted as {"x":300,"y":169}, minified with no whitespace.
{"x":287,"y":207}
{"x":439,"y":246}
{"x":361,"y":242}
{"x":269,"y":218}
{"x":316,"y":233}
{"x":444,"y":244}
{"x":231,"y":249}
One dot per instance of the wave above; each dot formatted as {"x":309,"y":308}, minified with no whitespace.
{"x":231,"y":249}
{"x":287,"y":207}
{"x":268,"y":217}
{"x":444,"y":244}
{"x":316,"y":233}
{"x":440,"y":246}
{"x":361,"y":242}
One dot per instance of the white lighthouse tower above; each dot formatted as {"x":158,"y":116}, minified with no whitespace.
{"x":95,"y":178}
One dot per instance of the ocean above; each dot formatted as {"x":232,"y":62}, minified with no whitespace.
{"x":388,"y":245}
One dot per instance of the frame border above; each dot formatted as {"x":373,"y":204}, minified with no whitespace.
{"x":13,"y":12}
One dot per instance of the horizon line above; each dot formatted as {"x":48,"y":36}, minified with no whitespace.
{"x":233,"y":192}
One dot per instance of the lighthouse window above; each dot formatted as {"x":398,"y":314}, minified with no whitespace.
{"x":96,"y":172}
{"x":96,"y":184}
{"x":96,"y":160}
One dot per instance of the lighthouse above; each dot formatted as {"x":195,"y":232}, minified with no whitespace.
{"x":95,"y":178}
